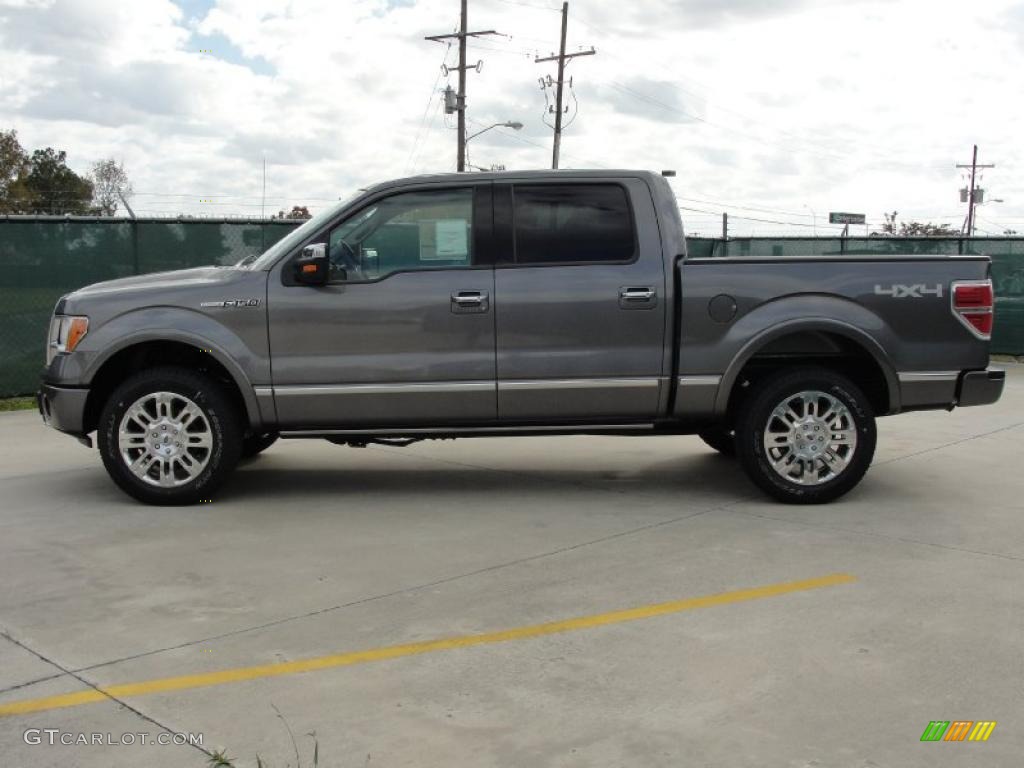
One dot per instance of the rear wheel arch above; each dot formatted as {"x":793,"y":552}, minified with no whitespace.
{"x":827,"y":343}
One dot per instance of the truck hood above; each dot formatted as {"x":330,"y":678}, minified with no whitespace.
{"x":183,"y":288}
{"x":198,"y":277}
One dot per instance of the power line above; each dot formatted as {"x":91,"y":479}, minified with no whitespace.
{"x":563,"y":60}
{"x":972,"y":190}
{"x":426,"y":109}
{"x":529,"y":5}
{"x":459,"y":105}
{"x":507,"y":51}
{"x":204,"y":196}
{"x":751,"y":218}
{"x":802,"y":141}
{"x":439,"y":109}
{"x":662,"y":66}
{"x":798,"y":144}
{"x":523,"y":140}
{"x":994,"y":224}
{"x":679,"y":110}
{"x":745,"y":207}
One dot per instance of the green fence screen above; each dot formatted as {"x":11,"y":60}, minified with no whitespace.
{"x":42,"y":258}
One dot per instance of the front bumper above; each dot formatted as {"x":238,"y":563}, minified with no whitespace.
{"x":63,"y":408}
{"x":980,"y":387}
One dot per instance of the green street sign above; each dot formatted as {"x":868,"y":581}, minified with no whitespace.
{"x":846,"y":218}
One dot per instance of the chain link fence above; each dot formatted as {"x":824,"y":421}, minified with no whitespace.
{"x":42,"y":258}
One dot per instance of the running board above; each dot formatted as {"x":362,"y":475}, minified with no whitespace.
{"x":494,"y":431}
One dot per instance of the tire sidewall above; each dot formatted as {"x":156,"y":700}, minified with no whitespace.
{"x":754,"y":419}
{"x":217,"y":410}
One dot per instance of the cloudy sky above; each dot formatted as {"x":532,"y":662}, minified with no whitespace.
{"x":777,"y":111}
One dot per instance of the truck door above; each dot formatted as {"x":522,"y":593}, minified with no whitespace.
{"x":580,"y":300}
{"x":403,"y":334}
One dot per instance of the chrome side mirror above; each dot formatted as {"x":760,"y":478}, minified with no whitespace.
{"x":312,"y":266}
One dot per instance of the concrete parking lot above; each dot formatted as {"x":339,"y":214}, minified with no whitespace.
{"x":601,"y":600}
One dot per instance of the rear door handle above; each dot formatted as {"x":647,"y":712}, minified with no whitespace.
{"x":467,"y":302}
{"x":637,"y":297}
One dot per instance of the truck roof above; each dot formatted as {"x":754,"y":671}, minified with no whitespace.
{"x":561,"y":173}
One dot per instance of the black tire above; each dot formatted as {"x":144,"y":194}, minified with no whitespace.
{"x":254,"y":445}
{"x":222,"y":421}
{"x":721,"y":438}
{"x":756,"y":417}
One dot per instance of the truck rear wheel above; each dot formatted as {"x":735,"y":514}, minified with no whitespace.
{"x":806,"y":436}
{"x":169,"y":436}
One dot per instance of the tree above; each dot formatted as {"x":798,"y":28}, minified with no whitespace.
{"x":913,"y":228}
{"x":14,"y":166}
{"x":889,"y":228}
{"x":297,"y":212}
{"x":54,"y":188}
{"x":110,"y":185}
{"x":40,"y":182}
{"x":926,"y":229}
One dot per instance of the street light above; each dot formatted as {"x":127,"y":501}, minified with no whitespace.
{"x":513,"y":124}
{"x":507,"y":124}
{"x":814,"y":219}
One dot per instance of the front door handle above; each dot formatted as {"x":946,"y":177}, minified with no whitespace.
{"x":467,"y":302}
{"x":637,"y":297}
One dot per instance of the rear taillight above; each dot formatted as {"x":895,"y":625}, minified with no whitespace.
{"x":973,"y":304}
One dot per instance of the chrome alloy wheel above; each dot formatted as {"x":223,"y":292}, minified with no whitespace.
{"x":165,"y":439}
{"x":810,"y":438}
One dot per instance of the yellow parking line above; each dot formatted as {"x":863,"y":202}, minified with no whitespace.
{"x":127,"y":690}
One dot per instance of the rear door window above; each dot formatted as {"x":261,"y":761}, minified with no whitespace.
{"x":572,"y":224}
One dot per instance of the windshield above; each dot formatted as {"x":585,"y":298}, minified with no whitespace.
{"x":294,"y":237}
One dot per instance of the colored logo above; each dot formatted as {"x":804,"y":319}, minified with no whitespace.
{"x":958,"y":730}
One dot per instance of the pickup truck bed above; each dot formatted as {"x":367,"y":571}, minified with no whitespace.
{"x":878,"y":319}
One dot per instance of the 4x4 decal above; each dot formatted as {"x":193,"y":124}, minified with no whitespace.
{"x":917,"y":291}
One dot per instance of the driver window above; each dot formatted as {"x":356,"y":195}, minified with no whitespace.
{"x":410,"y":231}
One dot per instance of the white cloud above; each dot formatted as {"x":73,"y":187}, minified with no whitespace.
{"x":790,"y":107}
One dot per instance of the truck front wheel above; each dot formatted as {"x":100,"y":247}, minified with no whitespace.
{"x":169,"y":436}
{"x":806,"y":436}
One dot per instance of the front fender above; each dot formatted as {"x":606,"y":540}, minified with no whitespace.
{"x":242,"y":350}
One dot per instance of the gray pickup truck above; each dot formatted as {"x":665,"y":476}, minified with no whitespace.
{"x":532,"y":303}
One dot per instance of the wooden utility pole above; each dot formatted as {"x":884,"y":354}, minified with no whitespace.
{"x":562,"y":58}
{"x":972,"y":190}
{"x":460,"y":97}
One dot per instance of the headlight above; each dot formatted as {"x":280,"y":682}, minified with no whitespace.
{"x":65,"y":333}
